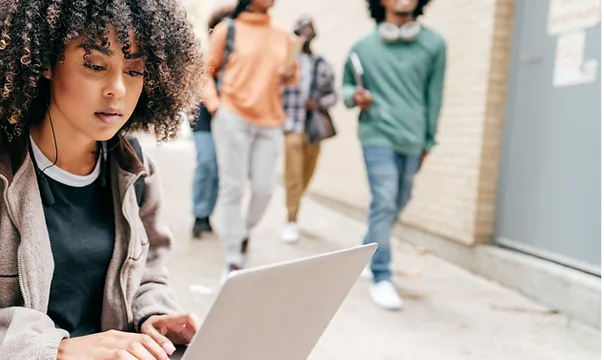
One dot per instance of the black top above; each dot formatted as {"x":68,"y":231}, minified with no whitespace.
{"x":82,"y":234}
{"x":203,"y":121}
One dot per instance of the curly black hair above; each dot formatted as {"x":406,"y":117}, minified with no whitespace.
{"x":33,"y":35}
{"x":378,"y":12}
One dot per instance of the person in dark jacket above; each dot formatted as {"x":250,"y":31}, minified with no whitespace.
{"x":205,"y":183}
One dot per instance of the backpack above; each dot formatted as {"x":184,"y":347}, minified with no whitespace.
{"x":319,"y":124}
{"x":139,"y":185}
{"x":203,"y":121}
{"x":228,"y":49}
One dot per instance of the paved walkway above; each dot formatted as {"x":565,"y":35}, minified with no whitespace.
{"x":450,"y":313}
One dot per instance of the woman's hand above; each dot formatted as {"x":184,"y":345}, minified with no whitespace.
{"x":312,"y":105}
{"x":111,"y":345}
{"x":286,"y":73}
{"x":170,"y":330}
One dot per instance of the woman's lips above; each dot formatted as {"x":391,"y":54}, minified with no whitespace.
{"x":109,"y":118}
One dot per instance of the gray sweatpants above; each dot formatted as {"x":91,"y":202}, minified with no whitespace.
{"x":243,"y":151}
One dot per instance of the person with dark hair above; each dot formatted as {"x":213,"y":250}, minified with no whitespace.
{"x":395,"y":75}
{"x":83,"y":250}
{"x":205,"y":183}
{"x":314,"y":93}
{"x":248,"y":114}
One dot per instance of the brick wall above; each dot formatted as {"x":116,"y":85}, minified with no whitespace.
{"x":493,"y":124}
{"x":455,"y":192}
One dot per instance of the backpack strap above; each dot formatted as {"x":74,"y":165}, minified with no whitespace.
{"x":313,"y":84}
{"x":228,"y":49}
{"x":139,"y":185}
{"x":315,"y":73}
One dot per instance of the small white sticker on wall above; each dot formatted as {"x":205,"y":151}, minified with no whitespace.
{"x":569,"y":67}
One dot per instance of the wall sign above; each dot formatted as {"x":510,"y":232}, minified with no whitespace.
{"x":569,"y":67}
{"x":571,"y":15}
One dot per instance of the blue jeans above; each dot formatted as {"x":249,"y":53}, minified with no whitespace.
{"x":205,"y":183}
{"x":390,"y":176}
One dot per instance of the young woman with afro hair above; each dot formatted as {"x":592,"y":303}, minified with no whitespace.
{"x":82,"y":247}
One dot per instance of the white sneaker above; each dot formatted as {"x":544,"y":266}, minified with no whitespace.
{"x":385,"y":296}
{"x":291,"y":233}
{"x":367,"y":274}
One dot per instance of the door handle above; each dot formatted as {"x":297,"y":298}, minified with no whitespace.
{"x":530,"y":59}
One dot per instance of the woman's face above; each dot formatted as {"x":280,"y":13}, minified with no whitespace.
{"x":400,"y":6}
{"x":96,"y":96}
{"x":262,"y":5}
{"x":306,"y":30}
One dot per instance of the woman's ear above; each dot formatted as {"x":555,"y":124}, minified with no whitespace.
{"x":47,"y":73}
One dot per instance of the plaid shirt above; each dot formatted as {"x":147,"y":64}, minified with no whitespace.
{"x":295,"y":97}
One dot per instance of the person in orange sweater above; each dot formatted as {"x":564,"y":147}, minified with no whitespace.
{"x":248,"y":114}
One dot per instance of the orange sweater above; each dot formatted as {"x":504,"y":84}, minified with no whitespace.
{"x":251,"y":85}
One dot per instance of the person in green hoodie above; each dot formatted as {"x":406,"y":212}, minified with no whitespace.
{"x":395,"y":75}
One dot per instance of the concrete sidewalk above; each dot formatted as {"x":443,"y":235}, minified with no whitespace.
{"x":449,"y":313}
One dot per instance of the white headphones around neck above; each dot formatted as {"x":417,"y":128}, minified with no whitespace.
{"x":391,"y":32}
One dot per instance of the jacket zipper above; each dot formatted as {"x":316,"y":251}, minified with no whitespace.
{"x":10,"y":216}
{"x":122,"y":270}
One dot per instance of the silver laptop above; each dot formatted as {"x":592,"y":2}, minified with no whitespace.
{"x":277,"y":312}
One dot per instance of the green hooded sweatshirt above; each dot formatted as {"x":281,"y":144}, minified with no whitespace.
{"x":405,"y":80}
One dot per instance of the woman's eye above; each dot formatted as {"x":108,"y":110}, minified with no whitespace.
{"x":94,"y":67}
{"x":134,"y":73}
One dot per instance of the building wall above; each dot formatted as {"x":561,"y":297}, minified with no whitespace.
{"x":197,"y":15}
{"x":454,"y":194}
{"x":494,"y":118}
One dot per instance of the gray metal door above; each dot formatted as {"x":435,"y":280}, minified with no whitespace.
{"x":549,"y":184}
